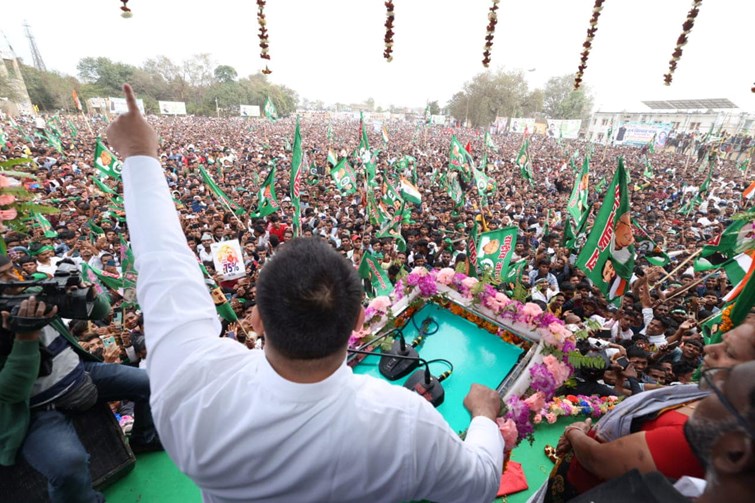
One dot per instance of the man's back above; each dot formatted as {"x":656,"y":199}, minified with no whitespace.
{"x":244,"y":433}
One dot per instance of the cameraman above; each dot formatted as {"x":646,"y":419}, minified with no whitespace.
{"x":45,"y":378}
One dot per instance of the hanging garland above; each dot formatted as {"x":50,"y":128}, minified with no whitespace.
{"x":264,"y":44}
{"x":125,"y":11}
{"x":597,"y":8}
{"x":682,"y":40}
{"x":388,"y":52}
{"x":492,"y":21}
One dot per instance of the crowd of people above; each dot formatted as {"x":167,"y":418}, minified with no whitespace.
{"x":651,"y":342}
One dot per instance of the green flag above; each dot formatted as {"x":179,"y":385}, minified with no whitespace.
{"x":654,"y":253}
{"x":364,"y":144}
{"x":344,"y":177}
{"x":267,"y":202}
{"x":110,"y":280}
{"x":744,"y":295}
{"x":45,"y":225}
{"x":297,"y":161}
{"x":483,"y":184}
{"x":648,"y":172}
{"x":495,"y":250}
{"x":72,"y":129}
{"x":104,"y":188}
{"x":459,"y":159}
{"x":332,"y":159}
{"x":222,"y":196}
{"x":106,"y":162}
{"x":489,"y":142}
{"x":577,"y":205}
{"x":601,"y":185}
{"x":454,"y":190}
{"x":514,"y":275}
{"x":270,"y":111}
{"x":128,"y":275}
{"x":391,"y":228}
{"x":222,"y":306}
{"x":370,"y":269}
{"x":3,"y":140}
{"x":524,"y":163}
{"x":329,"y":133}
{"x":608,"y":255}
{"x":730,"y":241}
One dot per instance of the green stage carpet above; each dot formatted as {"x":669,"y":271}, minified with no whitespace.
{"x":156,"y":479}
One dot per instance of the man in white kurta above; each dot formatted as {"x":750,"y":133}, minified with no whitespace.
{"x":253,"y":426}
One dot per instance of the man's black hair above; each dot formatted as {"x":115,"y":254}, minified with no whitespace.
{"x":637,"y":352}
{"x":309,"y":300}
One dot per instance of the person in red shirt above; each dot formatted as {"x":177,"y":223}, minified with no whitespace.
{"x":276,"y":227}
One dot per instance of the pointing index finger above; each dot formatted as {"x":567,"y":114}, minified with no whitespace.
{"x":130,"y":99}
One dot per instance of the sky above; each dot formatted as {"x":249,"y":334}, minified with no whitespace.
{"x":332,"y":50}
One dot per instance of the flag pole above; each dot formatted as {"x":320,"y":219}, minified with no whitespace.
{"x":677,"y":268}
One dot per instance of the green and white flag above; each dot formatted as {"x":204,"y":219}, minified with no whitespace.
{"x":409,"y":192}
{"x":601,"y":185}
{"x":608,"y":255}
{"x":344,"y":177}
{"x":104,"y":188}
{"x":128,"y":275}
{"x":454,"y":190}
{"x":743,"y":295}
{"x":270,"y":111}
{"x":364,"y":144}
{"x":495,"y":250}
{"x":329,"y":133}
{"x":514,"y":275}
{"x":391,"y":195}
{"x":106,"y":162}
{"x":44,"y":224}
{"x":459,"y":159}
{"x":3,"y":139}
{"x":654,"y":253}
{"x":332,"y":159}
{"x":109,"y":280}
{"x":648,"y":171}
{"x":483,"y":184}
{"x":222,"y":196}
{"x":297,"y":162}
{"x":222,"y":306}
{"x":72,"y":129}
{"x":371,"y":270}
{"x":524,"y":163}
{"x":577,"y":205}
{"x":267,"y":201}
{"x":489,"y":142}
{"x":391,"y":228}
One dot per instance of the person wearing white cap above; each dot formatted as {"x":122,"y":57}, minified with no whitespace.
{"x":205,"y":254}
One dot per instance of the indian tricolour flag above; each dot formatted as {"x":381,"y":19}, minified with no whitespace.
{"x":409,"y":192}
{"x":739,"y":270}
{"x":749,"y":191}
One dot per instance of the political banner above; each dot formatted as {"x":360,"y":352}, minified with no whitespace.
{"x":568,"y":129}
{"x":228,"y":260}
{"x":520,"y":125}
{"x":640,"y":134}
{"x":438,"y":119}
{"x":172,"y":107}
{"x":495,"y":250}
{"x":249,"y":110}
{"x":119,"y":105}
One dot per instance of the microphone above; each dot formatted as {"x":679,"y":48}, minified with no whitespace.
{"x":421,"y":382}
{"x":400,"y":360}
{"x":424,"y":330}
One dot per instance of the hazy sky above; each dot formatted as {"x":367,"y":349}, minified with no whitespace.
{"x":332,"y":49}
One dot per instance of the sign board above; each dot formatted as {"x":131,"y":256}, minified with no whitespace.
{"x":172,"y":107}
{"x":438,"y":119}
{"x":639,"y":134}
{"x":568,"y":129}
{"x":520,"y":124}
{"x":249,"y":110}
{"x":228,"y":260}
{"x":119,"y":106}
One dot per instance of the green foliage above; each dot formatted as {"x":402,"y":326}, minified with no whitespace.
{"x":578,"y":360}
{"x":434,"y":107}
{"x":492,"y":94}
{"x":7,"y":90}
{"x":197,"y":81}
{"x":561,"y":101}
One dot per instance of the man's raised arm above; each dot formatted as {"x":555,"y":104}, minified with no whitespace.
{"x":179,"y":315}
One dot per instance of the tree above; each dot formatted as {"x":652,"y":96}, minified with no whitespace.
{"x":49,"y":90}
{"x":434,"y":107}
{"x":492,"y":94}
{"x":561,"y":101}
{"x":370,"y":104}
{"x":225,"y":74}
{"x":6,"y":89}
{"x":104,"y":75}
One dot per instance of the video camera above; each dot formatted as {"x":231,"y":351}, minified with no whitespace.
{"x":72,"y":303}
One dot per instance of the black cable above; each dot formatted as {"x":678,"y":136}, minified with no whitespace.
{"x":418,"y":340}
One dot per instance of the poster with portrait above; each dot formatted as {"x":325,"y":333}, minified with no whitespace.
{"x":228,"y":260}
{"x":521,"y":124}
